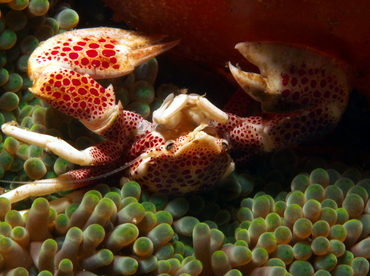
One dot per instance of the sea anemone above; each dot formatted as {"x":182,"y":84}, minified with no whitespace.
{"x":130,"y":232}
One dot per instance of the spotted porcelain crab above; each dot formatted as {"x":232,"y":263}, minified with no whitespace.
{"x":190,"y":144}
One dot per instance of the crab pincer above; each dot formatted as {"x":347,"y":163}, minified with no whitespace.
{"x":64,"y":69}
{"x":292,"y":77}
{"x":302,"y":91}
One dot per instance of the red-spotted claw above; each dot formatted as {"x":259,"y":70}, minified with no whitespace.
{"x":64,"y":67}
{"x":292,"y":77}
{"x":99,"y":52}
{"x":303,"y":92}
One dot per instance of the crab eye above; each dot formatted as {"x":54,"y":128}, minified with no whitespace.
{"x":225,"y":145}
{"x":169,"y":145}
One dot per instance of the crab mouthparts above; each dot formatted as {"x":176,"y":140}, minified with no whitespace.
{"x":200,"y":142}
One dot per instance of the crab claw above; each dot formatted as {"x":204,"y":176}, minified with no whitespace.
{"x":305,"y":91}
{"x":77,"y":95}
{"x":291,"y":77}
{"x":100,"y":52}
{"x":64,"y":67}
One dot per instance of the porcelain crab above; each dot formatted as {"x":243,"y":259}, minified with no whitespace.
{"x":191,"y":143}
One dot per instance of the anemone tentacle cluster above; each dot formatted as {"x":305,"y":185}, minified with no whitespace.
{"x":23,"y":25}
{"x":321,"y":227}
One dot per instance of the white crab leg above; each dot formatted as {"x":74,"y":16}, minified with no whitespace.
{"x":51,"y":143}
{"x":40,"y":188}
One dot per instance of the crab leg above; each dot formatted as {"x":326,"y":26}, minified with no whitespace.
{"x":304,"y":92}
{"x":129,"y":126}
{"x":68,"y":181}
{"x":61,"y":148}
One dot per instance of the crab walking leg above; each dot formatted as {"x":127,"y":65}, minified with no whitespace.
{"x":107,"y":151}
{"x":51,"y":143}
{"x":129,"y":125}
{"x":99,"y":52}
{"x":255,"y":135}
{"x":38,"y":188}
{"x":68,"y":181}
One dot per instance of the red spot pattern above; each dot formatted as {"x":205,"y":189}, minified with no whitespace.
{"x":246,"y":136}
{"x":73,"y":56}
{"x":106,"y":152}
{"x":94,"y":45}
{"x":125,"y":128}
{"x":255,"y":135}
{"x":301,"y":87}
{"x":91,"y":53}
{"x":150,"y":141}
{"x":109,"y":53}
{"x":74,"y":94}
{"x":196,"y":169}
